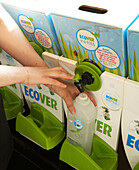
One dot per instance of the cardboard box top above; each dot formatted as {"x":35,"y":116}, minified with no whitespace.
{"x":119,"y":13}
{"x":25,"y":4}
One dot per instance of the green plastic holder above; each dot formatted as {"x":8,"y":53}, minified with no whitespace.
{"x":136,"y":167}
{"x":103,"y":157}
{"x":11,"y":102}
{"x":41,"y":126}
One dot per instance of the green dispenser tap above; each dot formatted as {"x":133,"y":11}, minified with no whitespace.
{"x":87,"y":75}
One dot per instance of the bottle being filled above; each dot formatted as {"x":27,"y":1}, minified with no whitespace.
{"x":81,"y":125}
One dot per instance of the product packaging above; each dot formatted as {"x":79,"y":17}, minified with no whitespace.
{"x":96,"y":33}
{"x":35,"y":26}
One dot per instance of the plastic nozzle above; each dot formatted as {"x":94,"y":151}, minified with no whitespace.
{"x":86,"y":79}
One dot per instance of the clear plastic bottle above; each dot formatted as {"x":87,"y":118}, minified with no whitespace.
{"x":81,"y":125}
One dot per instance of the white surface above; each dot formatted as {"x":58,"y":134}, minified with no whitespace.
{"x":67,"y":64}
{"x":120,"y":13}
{"x":110,"y":97}
{"x":51,"y":59}
{"x":135,"y":25}
{"x":130,"y":117}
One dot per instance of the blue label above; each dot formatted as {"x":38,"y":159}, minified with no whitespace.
{"x":78,"y":124}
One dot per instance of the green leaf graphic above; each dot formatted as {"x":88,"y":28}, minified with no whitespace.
{"x":73,"y":131}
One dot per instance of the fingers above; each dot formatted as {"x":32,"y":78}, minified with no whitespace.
{"x":50,"y":81}
{"x":44,"y":75}
{"x":69,"y":102}
{"x":74,"y":95}
{"x":48,"y":85}
{"x":91,"y":98}
{"x":59,"y":72}
{"x":66,"y":95}
{"x":59,"y":68}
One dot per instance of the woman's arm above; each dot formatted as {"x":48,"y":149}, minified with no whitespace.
{"x":33,"y":75}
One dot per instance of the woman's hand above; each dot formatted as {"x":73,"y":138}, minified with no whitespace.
{"x":47,"y":76}
{"x":33,"y":75}
{"x":69,"y":94}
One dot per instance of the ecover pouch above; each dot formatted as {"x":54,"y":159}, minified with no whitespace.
{"x":12,"y":103}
